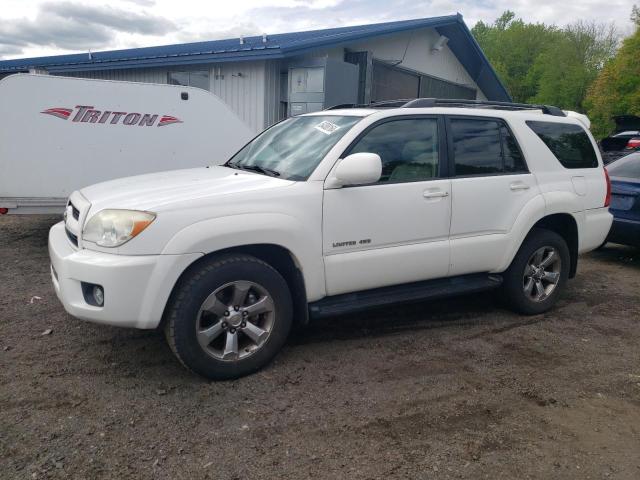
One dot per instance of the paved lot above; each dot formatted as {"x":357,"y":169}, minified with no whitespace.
{"x":454,"y":389}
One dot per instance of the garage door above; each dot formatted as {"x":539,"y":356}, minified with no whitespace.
{"x":391,"y":83}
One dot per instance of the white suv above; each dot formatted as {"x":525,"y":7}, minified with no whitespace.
{"x":332,"y":212}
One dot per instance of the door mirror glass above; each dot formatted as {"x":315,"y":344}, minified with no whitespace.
{"x":359,"y":169}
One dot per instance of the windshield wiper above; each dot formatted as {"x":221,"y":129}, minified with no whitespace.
{"x":256,"y":168}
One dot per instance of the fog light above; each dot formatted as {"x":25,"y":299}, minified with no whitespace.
{"x":98,"y":295}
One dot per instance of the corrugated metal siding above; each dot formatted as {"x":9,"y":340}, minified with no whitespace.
{"x":242,"y":86}
{"x":146,"y":75}
{"x":272,"y":93}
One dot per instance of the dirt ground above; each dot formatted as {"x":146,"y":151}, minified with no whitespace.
{"x":451,"y":389}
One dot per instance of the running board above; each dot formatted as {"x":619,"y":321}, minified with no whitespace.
{"x":406,"y":293}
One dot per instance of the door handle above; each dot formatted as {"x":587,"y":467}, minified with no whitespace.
{"x":519,"y":186}
{"x":435,"y":194}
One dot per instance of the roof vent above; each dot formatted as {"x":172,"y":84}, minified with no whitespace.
{"x":241,"y":40}
{"x":264,"y":38}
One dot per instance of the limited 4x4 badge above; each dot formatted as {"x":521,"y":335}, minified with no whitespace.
{"x":352,"y":243}
{"x":87,"y":114}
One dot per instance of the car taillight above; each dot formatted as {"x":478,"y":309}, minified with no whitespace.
{"x":4,"y":211}
{"x":607,"y":199}
{"x":633,"y":143}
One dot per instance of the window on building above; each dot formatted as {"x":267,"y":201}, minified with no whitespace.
{"x":195,"y":78}
{"x":484,"y":147}
{"x":569,"y":143}
{"x":408,"y":149}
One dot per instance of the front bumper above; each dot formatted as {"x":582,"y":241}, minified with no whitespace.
{"x":625,"y":232}
{"x":136,"y":288}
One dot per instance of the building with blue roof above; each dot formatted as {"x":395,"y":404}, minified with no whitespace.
{"x":268,"y":77}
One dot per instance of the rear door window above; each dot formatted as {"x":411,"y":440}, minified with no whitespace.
{"x":569,"y":143}
{"x":484,"y":147}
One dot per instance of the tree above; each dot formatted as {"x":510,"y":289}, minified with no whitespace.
{"x":544,"y":63}
{"x":564,"y":73}
{"x":635,"y":15}
{"x":616,"y":91}
{"x":512,"y":47}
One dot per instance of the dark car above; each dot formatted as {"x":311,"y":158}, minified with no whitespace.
{"x":625,"y":200}
{"x":624,"y":140}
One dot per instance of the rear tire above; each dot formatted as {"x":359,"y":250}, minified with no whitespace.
{"x":229,"y":316}
{"x":538,"y":273}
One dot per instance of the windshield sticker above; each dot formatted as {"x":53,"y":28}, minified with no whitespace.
{"x":327,"y":127}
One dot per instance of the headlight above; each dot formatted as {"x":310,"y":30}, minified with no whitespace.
{"x":112,"y":228}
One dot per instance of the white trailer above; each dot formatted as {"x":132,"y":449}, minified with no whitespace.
{"x":59,"y":134}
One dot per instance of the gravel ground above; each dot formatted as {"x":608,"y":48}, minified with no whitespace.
{"x":451,"y":389}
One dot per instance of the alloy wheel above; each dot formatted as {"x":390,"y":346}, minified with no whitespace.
{"x":542,"y":273}
{"x":235,"y":321}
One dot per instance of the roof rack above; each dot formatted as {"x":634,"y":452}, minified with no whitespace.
{"x":449,"y":102}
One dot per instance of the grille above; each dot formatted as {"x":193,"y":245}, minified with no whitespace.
{"x":72,"y":237}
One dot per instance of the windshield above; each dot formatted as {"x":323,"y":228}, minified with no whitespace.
{"x":292,"y":149}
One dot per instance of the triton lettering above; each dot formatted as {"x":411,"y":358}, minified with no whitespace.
{"x":88,"y":114}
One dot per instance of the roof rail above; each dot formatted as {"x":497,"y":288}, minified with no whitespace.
{"x":381,"y":104}
{"x":449,"y":102}
{"x":433,"y":102}
{"x":343,"y":105}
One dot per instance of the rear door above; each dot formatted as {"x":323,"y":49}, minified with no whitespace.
{"x":490,"y":186}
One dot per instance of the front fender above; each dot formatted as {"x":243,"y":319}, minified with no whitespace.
{"x":303,"y":241}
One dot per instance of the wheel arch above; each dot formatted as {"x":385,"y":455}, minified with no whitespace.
{"x":277,"y":256}
{"x":565,"y":225}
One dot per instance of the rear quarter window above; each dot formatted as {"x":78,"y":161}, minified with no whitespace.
{"x":569,"y":143}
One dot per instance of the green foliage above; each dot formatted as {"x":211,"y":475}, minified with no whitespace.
{"x":512,"y":47}
{"x":635,"y":15}
{"x":564,"y":72}
{"x":616,"y":91}
{"x":542,"y":63}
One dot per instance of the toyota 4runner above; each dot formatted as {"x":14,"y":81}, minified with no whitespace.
{"x":333,"y":212}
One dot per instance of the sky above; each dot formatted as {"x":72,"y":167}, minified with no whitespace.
{"x":31,"y":28}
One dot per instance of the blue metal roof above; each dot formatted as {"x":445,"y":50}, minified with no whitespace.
{"x":282,"y":45}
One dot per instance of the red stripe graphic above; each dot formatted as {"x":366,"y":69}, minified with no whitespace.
{"x":62,"y":113}
{"x":168,"y":120}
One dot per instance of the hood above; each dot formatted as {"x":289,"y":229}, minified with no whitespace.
{"x":158,"y":191}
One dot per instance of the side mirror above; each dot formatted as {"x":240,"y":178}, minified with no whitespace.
{"x":358,"y":169}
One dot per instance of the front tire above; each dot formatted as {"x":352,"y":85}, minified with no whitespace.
{"x":229,"y":316}
{"x":538,"y":273}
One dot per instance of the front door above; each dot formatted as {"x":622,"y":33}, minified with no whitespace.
{"x":396,"y":230}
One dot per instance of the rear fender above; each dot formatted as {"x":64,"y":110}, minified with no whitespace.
{"x":534,"y":211}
